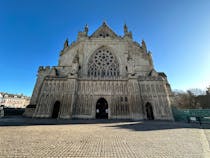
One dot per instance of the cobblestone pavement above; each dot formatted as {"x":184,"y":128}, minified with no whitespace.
{"x":207,"y":134}
{"x":106,"y":139}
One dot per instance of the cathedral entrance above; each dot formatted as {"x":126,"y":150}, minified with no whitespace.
{"x":56,"y":109}
{"x":149,"y":111}
{"x":102,"y":109}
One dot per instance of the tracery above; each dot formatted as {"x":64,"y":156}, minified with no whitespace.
{"x":103,"y":64}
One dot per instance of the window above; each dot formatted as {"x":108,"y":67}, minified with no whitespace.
{"x":121,"y":99}
{"x":126,"y":99}
{"x":103,"y":64}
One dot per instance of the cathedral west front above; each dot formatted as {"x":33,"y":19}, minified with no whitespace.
{"x":102,"y":76}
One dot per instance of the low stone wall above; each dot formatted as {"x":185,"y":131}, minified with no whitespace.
{"x":13,"y":111}
{"x":29,"y":112}
{"x":1,"y":112}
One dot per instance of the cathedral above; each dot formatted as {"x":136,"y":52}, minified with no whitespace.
{"x":102,"y":76}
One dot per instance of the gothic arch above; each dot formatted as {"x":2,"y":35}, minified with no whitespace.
{"x":102,"y":108}
{"x":103,"y":63}
{"x":56,"y":109}
{"x":149,"y":111}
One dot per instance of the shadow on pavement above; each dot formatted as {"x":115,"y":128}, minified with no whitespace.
{"x":124,"y":124}
{"x":24,"y":121}
{"x":159,"y":125}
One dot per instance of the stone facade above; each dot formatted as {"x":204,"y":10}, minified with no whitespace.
{"x":102,"y":76}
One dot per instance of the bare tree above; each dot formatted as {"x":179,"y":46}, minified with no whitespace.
{"x":197,"y":91}
{"x":184,"y":100}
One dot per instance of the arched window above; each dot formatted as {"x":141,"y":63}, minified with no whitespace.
{"x":103,"y":64}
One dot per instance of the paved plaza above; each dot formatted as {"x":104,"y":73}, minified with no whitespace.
{"x":100,"y":138}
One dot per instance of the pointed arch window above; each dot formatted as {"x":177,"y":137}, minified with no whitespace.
{"x":103,"y":63}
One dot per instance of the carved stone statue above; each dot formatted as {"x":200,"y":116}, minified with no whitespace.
{"x":75,"y":68}
{"x":131,"y":67}
{"x":75,"y":65}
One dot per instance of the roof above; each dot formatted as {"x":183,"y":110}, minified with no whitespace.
{"x":104,"y":31}
{"x":162,"y":74}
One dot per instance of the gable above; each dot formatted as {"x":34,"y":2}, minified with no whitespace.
{"x":104,"y":31}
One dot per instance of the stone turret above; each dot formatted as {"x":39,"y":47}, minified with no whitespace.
{"x":150,"y":59}
{"x":86,"y":29}
{"x":66,"y":44}
{"x":126,"y":33}
{"x":144,"y":47}
{"x":83,"y":34}
{"x":125,"y":29}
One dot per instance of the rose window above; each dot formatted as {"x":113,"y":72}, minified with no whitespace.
{"x":103,"y":64}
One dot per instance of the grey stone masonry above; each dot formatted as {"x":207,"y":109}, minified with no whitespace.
{"x":102,"y":75}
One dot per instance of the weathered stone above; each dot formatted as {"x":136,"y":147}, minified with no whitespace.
{"x":103,"y":65}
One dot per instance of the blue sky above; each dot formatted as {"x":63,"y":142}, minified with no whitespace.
{"x":32,"y":33}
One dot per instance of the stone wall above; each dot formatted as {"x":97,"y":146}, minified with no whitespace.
{"x":80,"y":79}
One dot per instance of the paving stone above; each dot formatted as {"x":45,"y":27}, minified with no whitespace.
{"x":105,"y":140}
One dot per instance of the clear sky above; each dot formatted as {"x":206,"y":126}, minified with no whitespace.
{"x":32,"y":33}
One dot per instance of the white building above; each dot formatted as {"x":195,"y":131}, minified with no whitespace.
{"x":14,"y":100}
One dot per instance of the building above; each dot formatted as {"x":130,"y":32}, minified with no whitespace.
{"x":14,"y":100}
{"x":102,"y":75}
{"x":1,"y":106}
{"x":1,"y":98}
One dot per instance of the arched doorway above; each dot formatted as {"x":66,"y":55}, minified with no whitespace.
{"x":102,"y":109}
{"x":56,"y":109}
{"x":149,"y":111}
